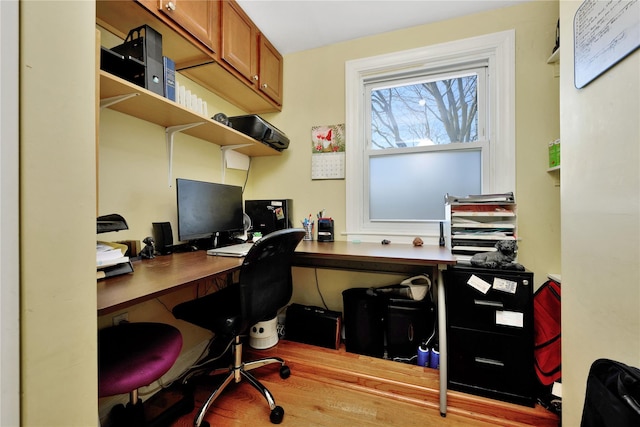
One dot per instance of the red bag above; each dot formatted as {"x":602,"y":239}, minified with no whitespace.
{"x":546,"y":332}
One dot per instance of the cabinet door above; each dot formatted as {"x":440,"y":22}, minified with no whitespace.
{"x":201,"y":18}
{"x":239,"y":41}
{"x":270,"y":70}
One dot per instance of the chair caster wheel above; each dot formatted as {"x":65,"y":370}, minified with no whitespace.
{"x":276,"y":415}
{"x":285,"y":372}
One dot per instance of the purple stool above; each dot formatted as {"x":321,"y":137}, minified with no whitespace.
{"x":130,"y":356}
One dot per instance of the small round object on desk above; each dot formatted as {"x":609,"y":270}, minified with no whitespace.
{"x":386,"y":242}
{"x":418,"y":242}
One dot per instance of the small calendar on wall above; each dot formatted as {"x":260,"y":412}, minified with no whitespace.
{"x":327,"y":152}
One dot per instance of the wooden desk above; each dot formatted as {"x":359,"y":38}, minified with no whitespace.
{"x":158,"y":276}
{"x":164,"y":274}
{"x":394,"y":258}
{"x":391,"y":258}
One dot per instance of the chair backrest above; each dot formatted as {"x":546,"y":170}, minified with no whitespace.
{"x":265,"y":276}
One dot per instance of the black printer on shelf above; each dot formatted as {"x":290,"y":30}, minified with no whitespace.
{"x":258,"y":128}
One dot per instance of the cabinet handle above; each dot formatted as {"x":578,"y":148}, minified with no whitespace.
{"x":171,"y":6}
{"x":264,"y":86}
{"x":492,"y":362}
{"x":488,"y":303}
{"x":255,"y":77}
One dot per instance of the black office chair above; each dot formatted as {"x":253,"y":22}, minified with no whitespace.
{"x":265,"y":286}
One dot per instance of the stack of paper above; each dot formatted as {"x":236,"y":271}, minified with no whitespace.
{"x":111,"y":259}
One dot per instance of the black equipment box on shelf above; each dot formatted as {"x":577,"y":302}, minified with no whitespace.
{"x":138,"y":59}
{"x":258,"y":128}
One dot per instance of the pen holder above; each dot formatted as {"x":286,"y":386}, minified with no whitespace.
{"x":308,"y":231}
{"x":325,"y":230}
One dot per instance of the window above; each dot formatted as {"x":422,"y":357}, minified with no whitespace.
{"x":424,"y":123}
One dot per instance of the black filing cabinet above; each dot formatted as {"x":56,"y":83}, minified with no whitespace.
{"x":490,"y":333}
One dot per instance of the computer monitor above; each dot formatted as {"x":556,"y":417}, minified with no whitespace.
{"x":209,"y":214}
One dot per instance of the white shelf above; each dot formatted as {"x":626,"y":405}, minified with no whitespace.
{"x":555,"y":276}
{"x":483,"y":214}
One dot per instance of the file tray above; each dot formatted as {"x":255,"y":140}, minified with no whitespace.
{"x":261,"y":130}
{"x":138,"y":59}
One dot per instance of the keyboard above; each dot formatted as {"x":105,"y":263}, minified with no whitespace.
{"x":239,"y":250}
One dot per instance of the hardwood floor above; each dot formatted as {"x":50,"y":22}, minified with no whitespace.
{"x":336,"y":388}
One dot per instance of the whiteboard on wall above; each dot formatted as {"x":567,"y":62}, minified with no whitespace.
{"x":604,"y":33}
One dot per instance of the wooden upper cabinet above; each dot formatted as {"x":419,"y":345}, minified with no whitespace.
{"x":239,"y":41}
{"x":270,"y":76}
{"x":212,"y":42}
{"x":201,"y":18}
{"x":250,"y":53}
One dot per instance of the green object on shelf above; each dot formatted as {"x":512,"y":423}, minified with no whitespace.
{"x":554,"y":153}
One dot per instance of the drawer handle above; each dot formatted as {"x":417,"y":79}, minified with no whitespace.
{"x":488,"y":303}
{"x":491,"y":362}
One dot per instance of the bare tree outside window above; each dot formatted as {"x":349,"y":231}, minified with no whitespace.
{"x":427,"y":113}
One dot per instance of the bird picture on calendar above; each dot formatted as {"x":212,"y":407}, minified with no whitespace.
{"x":328,"y":139}
{"x":327,"y":152}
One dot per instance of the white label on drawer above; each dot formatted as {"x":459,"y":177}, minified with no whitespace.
{"x":505,"y":285}
{"x":479,"y":284}
{"x":509,"y":318}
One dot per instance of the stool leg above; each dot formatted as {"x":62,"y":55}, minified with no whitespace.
{"x":131,"y":415}
{"x":136,"y":414}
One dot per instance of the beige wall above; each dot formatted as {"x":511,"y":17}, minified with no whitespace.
{"x":57,"y":214}
{"x":600,"y":218}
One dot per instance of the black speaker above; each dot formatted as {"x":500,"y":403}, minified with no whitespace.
{"x":163,"y":235}
{"x":363,"y":322}
{"x":268,"y":216}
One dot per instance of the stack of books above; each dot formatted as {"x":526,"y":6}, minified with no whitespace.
{"x":111,"y":260}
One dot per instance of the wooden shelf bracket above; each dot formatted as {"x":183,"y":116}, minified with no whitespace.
{"x":169,"y":133}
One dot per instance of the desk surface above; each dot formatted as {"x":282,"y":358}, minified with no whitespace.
{"x":393,"y":258}
{"x":163,"y":274}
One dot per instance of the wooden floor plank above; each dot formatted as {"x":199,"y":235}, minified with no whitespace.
{"x":336,"y":388}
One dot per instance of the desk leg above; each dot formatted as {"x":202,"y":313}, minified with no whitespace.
{"x":442,"y":338}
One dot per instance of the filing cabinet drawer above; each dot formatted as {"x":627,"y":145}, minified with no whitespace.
{"x":502,"y":311}
{"x":492,"y":365}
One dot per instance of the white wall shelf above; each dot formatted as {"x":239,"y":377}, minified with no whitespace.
{"x":555,"y":57}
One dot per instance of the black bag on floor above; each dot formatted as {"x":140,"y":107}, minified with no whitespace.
{"x":613,"y":395}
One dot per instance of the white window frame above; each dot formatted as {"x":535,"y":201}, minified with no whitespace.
{"x":498,"y":50}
